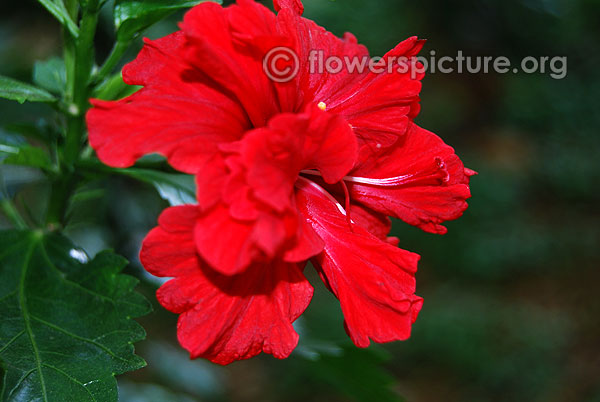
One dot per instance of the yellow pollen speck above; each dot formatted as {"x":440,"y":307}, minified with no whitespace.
{"x":322,"y":106}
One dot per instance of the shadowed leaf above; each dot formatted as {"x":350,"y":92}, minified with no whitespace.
{"x":66,"y":325}
{"x":177,"y":189}
{"x":133,"y":16}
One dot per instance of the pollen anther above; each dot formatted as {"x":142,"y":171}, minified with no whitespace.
{"x":322,"y":106}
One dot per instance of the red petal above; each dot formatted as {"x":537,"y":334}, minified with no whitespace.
{"x":258,"y":217}
{"x":235,"y":318}
{"x":373,"y":280}
{"x":377,"y":224}
{"x":294,"y":5}
{"x":380,"y":106}
{"x":182,"y":119}
{"x":224,"y":318}
{"x":434,"y":188}
{"x":250,"y":18}
{"x":209,"y":182}
{"x":157,"y":62}
{"x":169,"y":249}
{"x":211,"y":48}
{"x":307,"y":244}
{"x":230,"y":245}
{"x":274,"y":156}
{"x":309,"y":40}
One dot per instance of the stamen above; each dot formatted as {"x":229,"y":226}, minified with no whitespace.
{"x":387,"y":182}
{"x":322,"y":106}
{"x":438,"y":172}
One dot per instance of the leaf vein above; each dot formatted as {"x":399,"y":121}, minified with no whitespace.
{"x":26,"y":318}
{"x":76,"y":381}
{"x":14,"y":292}
{"x":10,"y":342}
{"x":18,"y":384}
{"x":77,"y":285}
{"x":80,"y":338}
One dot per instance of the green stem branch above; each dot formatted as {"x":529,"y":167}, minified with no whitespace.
{"x":83,"y":63}
{"x":113,"y":59}
{"x":11,"y":212}
{"x":79,"y":60}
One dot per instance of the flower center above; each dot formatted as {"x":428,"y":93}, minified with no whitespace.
{"x":322,"y":106}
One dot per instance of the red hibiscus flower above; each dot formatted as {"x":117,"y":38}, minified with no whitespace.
{"x":308,"y":169}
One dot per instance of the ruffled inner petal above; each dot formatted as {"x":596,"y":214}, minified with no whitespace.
{"x":224,"y":318}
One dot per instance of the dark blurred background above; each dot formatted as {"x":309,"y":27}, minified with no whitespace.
{"x":512,"y":311}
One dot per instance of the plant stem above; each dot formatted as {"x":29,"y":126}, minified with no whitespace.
{"x":12,"y":213}
{"x":83,"y":63}
{"x":60,"y":193}
{"x":69,"y":52}
{"x":79,"y":60}
{"x":112,"y":60}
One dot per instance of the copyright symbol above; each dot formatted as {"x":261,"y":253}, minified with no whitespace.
{"x":281,"y":64}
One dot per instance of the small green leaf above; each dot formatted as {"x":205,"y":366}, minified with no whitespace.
{"x":177,"y":189}
{"x":87,"y":195}
{"x":21,"y":92}
{"x":50,"y":74}
{"x":58,"y":10}
{"x":133,"y":16}
{"x":114,"y":88}
{"x":65,"y":323}
{"x":25,"y":155}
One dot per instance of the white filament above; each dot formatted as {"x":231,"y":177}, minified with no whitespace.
{"x":387,"y":182}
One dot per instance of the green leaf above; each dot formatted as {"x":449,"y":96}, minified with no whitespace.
{"x":51,"y":75}
{"x":87,"y":195}
{"x":114,"y":88}
{"x":21,"y":92}
{"x":133,"y":16}
{"x":25,"y":155}
{"x":356,"y":373}
{"x":65,"y":323}
{"x":58,"y":10}
{"x":326,"y":362}
{"x":40,"y":131}
{"x":177,"y":189}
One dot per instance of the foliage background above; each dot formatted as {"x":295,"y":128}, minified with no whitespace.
{"x":511,"y":303}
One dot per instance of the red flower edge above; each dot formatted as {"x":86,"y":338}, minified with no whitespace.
{"x":286,"y":172}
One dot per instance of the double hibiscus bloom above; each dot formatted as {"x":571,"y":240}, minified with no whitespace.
{"x":306,"y":170}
